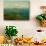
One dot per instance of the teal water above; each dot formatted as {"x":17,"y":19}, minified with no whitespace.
{"x":16,"y":14}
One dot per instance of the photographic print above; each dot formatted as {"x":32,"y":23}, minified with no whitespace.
{"x":16,"y":9}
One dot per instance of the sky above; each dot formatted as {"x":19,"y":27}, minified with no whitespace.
{"x":16,"y":0}
{"x":16,"y":3}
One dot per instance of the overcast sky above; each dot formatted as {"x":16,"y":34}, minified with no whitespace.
{"x":16,"y":3}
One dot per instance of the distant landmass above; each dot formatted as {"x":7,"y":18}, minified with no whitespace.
{"x":16,"y":14}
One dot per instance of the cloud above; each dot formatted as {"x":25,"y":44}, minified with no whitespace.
{"x":16,"y":4}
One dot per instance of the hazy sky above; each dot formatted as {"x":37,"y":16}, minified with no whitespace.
{"x":16,"y":0}
{"x":16,"y":3}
